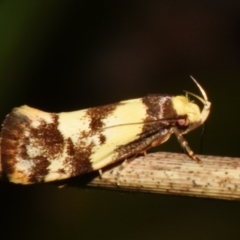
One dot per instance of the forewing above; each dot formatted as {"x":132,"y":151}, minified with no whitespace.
{"x":39,"y":146}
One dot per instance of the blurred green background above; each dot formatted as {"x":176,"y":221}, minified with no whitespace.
{"x":68,"y":55}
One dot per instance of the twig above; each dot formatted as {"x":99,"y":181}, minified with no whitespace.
{"x":172,"y":173}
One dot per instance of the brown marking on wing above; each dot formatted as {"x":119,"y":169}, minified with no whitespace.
{"x":78,"y":160}
{"x":159,"y":107}
{"x":70,"y":147}
{"x":39,"y":170}
{"x":98,"y":114}
{"x":48,"y":136}
{"x":102,"y":138}
{"x":10,"y":135}
{"x":61,"y":171}
{"x":82,"y":156}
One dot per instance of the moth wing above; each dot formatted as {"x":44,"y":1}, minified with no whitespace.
{"x":38,"y":146}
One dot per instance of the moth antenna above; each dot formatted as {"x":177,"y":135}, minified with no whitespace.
{"x":200,"y":88}
{"x":206,"y":109}
{"x":205,"y":98}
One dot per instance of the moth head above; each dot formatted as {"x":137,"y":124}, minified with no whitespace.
{"x":194,"y":116}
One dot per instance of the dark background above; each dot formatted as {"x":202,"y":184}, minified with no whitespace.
{"x":68,"y":55}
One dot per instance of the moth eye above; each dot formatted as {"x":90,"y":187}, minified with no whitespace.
{"x":183,"y":122}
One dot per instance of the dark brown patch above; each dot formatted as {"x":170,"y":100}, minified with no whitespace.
{"x":98,"y":114}
{"x":78,"y":160}
{"x":67,"y":162}
{"x":84,"y":134}
{"x":61,"y":171}
{"x":70,"y":147}
{"x":39,"y":169}
{"x":160,"y":114}
{"x":81,"y":161}
{"x":102,"y":139}
{"x":48,"y":136}
{"x":159,"y":107}
{"x":13,"y":128}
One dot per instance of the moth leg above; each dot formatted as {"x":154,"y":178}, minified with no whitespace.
{"x":128,"y":160}
{"x":185,"y":145}
{"x":145,"y":153}
{"x":100,"y":173}
{"x":124,"y":163}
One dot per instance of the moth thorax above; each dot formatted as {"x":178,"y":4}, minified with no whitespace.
{"x":184,"y":107}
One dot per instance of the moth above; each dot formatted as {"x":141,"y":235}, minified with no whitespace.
{"x":38,"y":146}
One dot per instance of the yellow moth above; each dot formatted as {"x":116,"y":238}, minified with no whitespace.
{"x":38,"y":146}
